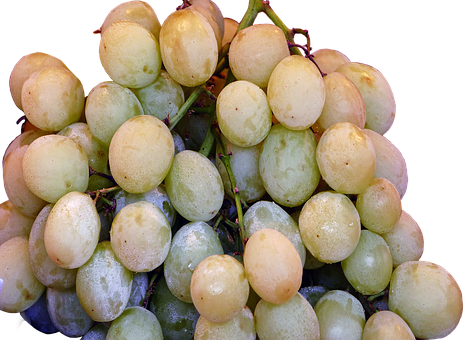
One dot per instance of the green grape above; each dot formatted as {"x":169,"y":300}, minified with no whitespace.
{"x":157,"y":196}
{"x":162,"y":98}
{"x":288,"y":166}
{"x":25,"y":67}
{"x":215,"y":12}
{"x":219,"y":288}
{"x":244,"y":116}
{"x":96,"y":151}
{"x":379,"y":206}
{"x":44,"y":269}
{"x":255,"y":51}
{"x":192,"y":243}
{"x":244,"y":166}
{"x":386,"y":325}
{"x":273,"y":266}
{"x":296,"y":92}
{"x":292,"y":320}
{"x":130,"y":54}
{"x":369,"y":267}
{"x":390,"y":163}
{"x":346,"y":158}
{"x":189,"y":48}
{"x":52,"y":98}
{"x":97,"y":332}
{"x":55,"y":165}
{"x":427,"y":297}
{"x":103,"y":284}
{"x":13,"y":222}
{"x":108,"y":106}
{"x":194,"y":186}
{"x":340,"y":315}
{"x":136,"y":11}
{"x":405,"y":240}
{"x":141,"y":228}
{"x":22,"y":139}
{"x":135,"y":323}
{"x":140,"y":284}
{"x":72,"y":230}
{"x":376,"y":92}
{"x":241,"y":327}
{"x":265,"y":214}
{"x":141,"y":154}
{"x":343,"y":103}
{"x":329,"y":60}
{"x":19,"y":288}
{"x":66,"y":312}
{"x":177,"y":318}
{"x":313,"y":293}
{"x":330,"y":226}
{"x":15,"y":187}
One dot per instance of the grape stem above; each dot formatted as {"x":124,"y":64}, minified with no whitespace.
{"x":152,"y":284}
{"x":207,"y":144}
{"x":100,"y":174}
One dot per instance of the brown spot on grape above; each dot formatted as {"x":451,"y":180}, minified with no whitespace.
{"x":367,"y":80}
{"x":262,"y":237}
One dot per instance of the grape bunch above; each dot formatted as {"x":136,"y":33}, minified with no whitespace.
{"x":227,"y":183}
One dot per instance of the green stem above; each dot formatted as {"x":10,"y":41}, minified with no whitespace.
{"x":289,"y":33}
{"x":209,"y":140}
{"x":152,"y":284}
{"x":185,"y":107}
{"x":255,"y":7}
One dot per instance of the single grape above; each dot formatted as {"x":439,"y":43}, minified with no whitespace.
{"x":427,"y":297}
{"x":191,"y":244}
{"x":219,"y":288}
{"x":97,"y":332}
{"x":386,"y":325}
{"x":292,"y":320}
{"x":141,"y":154}
{"x":14,"y":223}
{"x":140,"y":284}
{"x":329,"y":60}
{"x":230,"y":28}
{"x":25,"y":138}
{"x":37,"y":316}
{"x":72,"y":230}
{"x":273,"y":266}
{"x":135,"y":323}
{"x":130,"y":54}
{"x":296,"y":92}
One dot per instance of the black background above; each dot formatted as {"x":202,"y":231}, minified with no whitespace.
{"x":403,"y":44}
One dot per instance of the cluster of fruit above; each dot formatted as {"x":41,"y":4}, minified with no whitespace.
{"x":228,"y":183}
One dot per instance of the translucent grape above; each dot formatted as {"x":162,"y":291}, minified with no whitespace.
{"x":135,"y":323}
{"x":386,"y":325}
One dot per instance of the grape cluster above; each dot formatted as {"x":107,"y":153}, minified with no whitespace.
{"x":228,"y":183}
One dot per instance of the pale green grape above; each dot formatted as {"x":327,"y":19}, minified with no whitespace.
{"x":296,"y":92}
{"x":103,"y":284}
{"x":241,"y":327}
{"x":343,"y":103}
{"x":55,"y":165}
{"x":14,"y":222}
{"x":244,"y":116}
{"x":22,"y":139}
{"x":135,"y":323}
{"x":427,"y":297}
{"x":255,"y":51}
{"x":288,"y":166}
{"x":25,"y":67}
{"x":244,"y":166}
{"x":194,"y":186}
{"x":191,"y":244}
{"x":379,"y":206}
{"x":340,"y":315}
{"x":177,"y":318}
{"x":19,"y":288}
{"x":52,"y":98}
{"x":265,"y":214}
{"x":140,"y":284}
{"x":330,"y":226}
{"x":141,"y":228}
{"x":96,"y":151}
{"x":130,"y":54}
{"x":66,"y":312}
{"x":292,"y":320}
{"x":157,"y":196}
{"x":346,"y":158}
{"x":369,"y":267}
{"x":390,"y":163}
{"x":386,"y":325}
{"x":42,"y":266}
{"x":273,"y":266}
{"x":136,"y":11}
{"x":162,"y":98}
{"x":189,"y":48}
{"x":141,"y":154}
{"x":219,"y":288}
{"x":405,"y":240}
{"x":376,"y":92}
{"x":329,"y":60}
